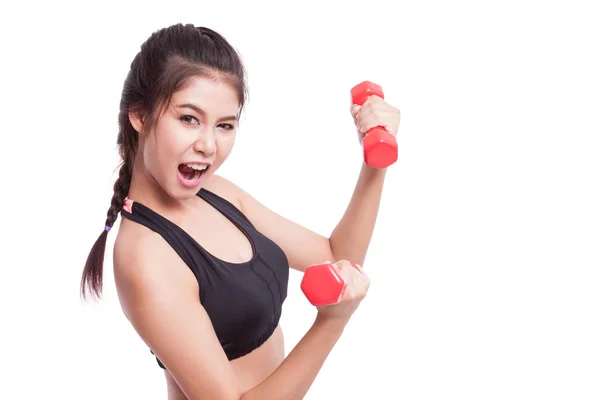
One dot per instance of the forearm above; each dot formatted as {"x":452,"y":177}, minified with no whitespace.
{"x":293,"y":378}
{"x":351,"y":237}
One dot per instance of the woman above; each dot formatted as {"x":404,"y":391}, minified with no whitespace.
{"x":209,"y":308}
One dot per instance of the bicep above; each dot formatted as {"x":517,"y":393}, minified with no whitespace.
{"x":160,"y":298}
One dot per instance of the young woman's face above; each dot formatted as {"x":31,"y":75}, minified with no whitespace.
{"x":193,"y":137}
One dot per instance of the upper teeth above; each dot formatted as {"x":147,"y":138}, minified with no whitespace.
{"x":198,"y":167}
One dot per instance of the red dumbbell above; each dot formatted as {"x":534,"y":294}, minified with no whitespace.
{"x":323,"y":284}
{"x":380,"y":148}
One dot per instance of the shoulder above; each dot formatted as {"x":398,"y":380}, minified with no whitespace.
{"x":226,"y":189}
{"x":146,"y":266}
{"x":255,"y":211}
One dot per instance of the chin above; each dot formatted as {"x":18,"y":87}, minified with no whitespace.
{"x":182,"y":195}
{"x":178,"y":192}
{"x":184,"y":189}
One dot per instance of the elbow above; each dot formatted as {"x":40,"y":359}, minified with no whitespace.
{"x":343,"y":251}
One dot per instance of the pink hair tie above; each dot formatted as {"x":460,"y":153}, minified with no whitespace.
{"x":127,"y":205}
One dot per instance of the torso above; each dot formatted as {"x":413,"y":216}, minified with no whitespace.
{"x":236,"y":249}
{"x":252,"y":368}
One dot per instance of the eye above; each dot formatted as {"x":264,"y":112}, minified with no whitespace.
{"x":227,"y":127}
{"x":188,"y":119}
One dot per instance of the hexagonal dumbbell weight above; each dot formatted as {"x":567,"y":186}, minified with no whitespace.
{"x":380,"y":148}
{"x":323,"y":284}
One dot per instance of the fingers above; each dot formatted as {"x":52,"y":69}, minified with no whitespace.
{"x":375,"y":112}
{"x":345,"y":265}
{"x":354,"y":109}
{"x":359,"y":268}
{"x":342,"y":263}
{"x":361,"y":278}
{"x":357,"y":282}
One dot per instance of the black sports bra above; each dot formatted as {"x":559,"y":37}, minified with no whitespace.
{"x":243,"y":300}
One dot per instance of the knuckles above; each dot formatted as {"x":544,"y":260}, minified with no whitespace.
{"x":376,"y":107}
{"x":343,"y":263}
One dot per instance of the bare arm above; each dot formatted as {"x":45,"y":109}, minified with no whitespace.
{"x":352,"y":235}
{"x":159,"y":296}
{"x":293,"y":378}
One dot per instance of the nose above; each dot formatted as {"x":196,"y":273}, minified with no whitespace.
{"x":206,"y":143}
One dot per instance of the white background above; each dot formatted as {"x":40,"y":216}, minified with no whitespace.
{"x":485,"y":260}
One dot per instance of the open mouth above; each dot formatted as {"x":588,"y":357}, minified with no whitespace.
{"x":191,"y":173}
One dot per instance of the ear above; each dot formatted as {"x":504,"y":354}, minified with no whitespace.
{"x":137,"y":121}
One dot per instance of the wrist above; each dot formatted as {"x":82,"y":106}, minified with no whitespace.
{"x":335,"y":325}
{"x":371,"y":174}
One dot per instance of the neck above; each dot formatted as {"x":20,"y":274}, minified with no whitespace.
{"x":146,"y":190}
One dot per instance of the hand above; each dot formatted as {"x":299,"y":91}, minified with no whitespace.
{"x":357,"y":286}
{"x":375,"y":111}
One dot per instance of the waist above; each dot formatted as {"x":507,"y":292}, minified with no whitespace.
{"x":255,"y":367}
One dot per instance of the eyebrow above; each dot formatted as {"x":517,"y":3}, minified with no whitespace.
{"x":202,"y":112}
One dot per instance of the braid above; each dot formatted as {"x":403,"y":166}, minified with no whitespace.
{"x":92,"y":273}
{"x":120,"y":188}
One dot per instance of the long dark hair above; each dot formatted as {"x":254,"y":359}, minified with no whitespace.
{"x":168,"y":58}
